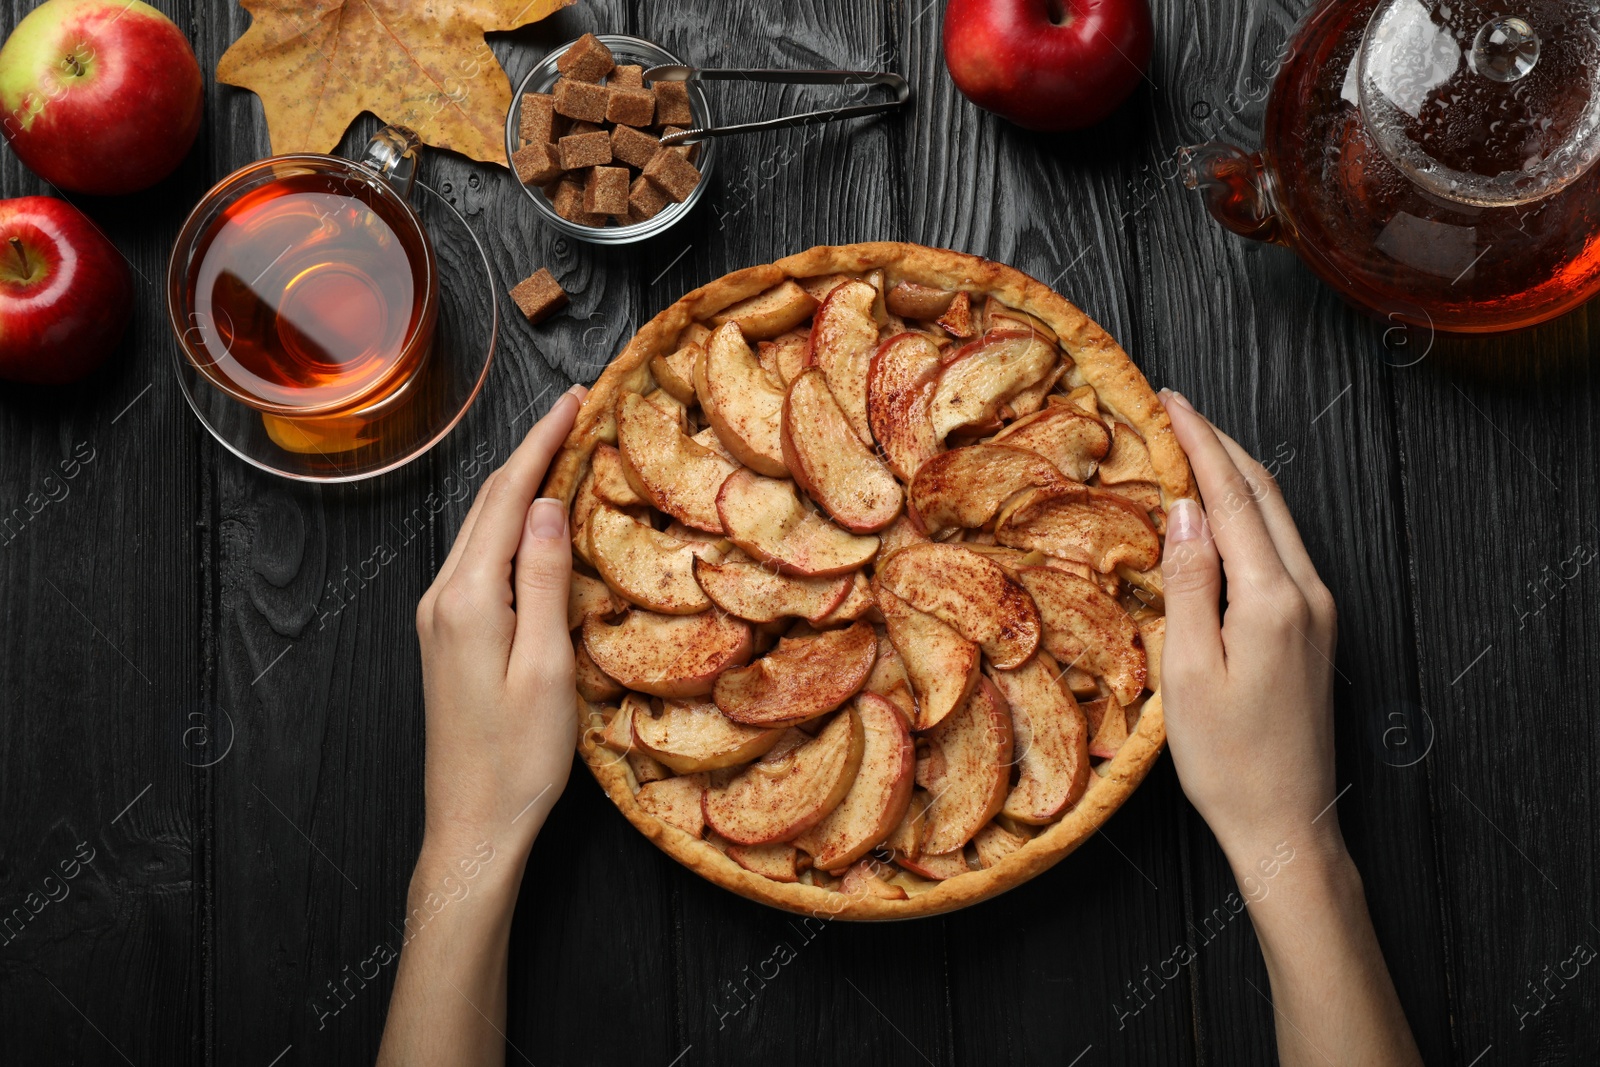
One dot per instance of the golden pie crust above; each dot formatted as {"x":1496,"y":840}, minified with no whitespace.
{"x":1121,"y":389}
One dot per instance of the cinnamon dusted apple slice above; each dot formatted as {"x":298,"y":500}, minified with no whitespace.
{"x":966,"y":486}
{"x":823,"y":284}
{"x":1111,"y":732}
{"x":910,"y":300}
{"x":691,"y":736}
{"x":741,"y":401}
{"x":878,"y":798}
{"x":899,"y":534}
{"x":1051,"y":742}
{"x":844,"y":334}
{"x":828,"y":460}
{"x":789,"y":790}
{"x":856,"y":603}
{"x":646,"y":768}
{"x":1082,"y":523}
{"x":618,"y":733}
{"x":1153,"y":633}
{"x":865,"y":881}
{"x":935,"y":868}
{"x":587,"y":596}
{"x":1011,"y":560}
{"x":1145,"y":494}
{"x":900,"y":383}
{"x":979,"y":377}
{"x":676,"y":802}
{"x":957,"y":318}
{"x":594,"y":685}
{"x":707,"y":438}
{"x":890,"y":680}
{"x":1002,"y":316}
{"x":1073,"y":441}
{"x":1146,"y":585}
{"x":1088,"y":629}
{"x":1031,"y":399}
{"x":942,"y":665}
{"x":667,"y":655}
{"x":675,"y":372}
{"x":756,"y":592}
{"x":994,"y":842}
{"x":765,"y":315}
{"x":610,"y":483}
{"x":674,"y":473}
{"x":967,"y":769}
{"x":784,"y":357}
{"x":905,"y":840}
{"x":766,"y":518}
{"x":674,"y":408}
{"x":802,"y":678}
{"x":648,"y":567}
{"x":971,"y":593}
{"x":779,"y":861}
{"x":1128,"y":460}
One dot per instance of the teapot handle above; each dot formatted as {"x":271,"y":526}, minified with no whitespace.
{"x":393,"y":154}
{"x":1237,"y":189}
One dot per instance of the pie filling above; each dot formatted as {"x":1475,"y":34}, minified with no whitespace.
{"x":868,"y":590}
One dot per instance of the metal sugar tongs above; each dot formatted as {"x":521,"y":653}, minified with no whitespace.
{"x":682,"y":73}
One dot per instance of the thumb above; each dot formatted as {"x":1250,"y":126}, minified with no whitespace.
{"x":543,"y":571}
{"x":1191,"y":580}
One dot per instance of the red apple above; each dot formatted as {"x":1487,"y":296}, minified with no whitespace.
{"x":1047,"y":64}
{"x":65,"y":293}
{"x":99,"y":96}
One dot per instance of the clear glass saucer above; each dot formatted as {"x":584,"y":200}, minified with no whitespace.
{"x":456,"y":368}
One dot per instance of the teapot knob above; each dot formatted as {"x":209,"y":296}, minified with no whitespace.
{"x":1505,"y":49}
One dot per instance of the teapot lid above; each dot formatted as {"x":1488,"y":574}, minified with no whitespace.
{"x":1480,"y":101}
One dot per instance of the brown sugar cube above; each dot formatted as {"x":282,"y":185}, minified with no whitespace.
{"x":568,"y":203}
{"x":585,"y":127}
{"x":691,"y":152}
{"x":581,"y":100}
{"x":537,"y":163}
{"x":605,"y":191}
{"x":645,"y":201}
{"x":631,"y":107}
{"x":672,"y":174}
{"x":588,"y":60}
{"x":580,"y":150}
{"x":628,"y":77}
{"x":540,"y":296}
{"x":633,"y":147}
{"x":672,"y":104}
{"x":538,"y":118}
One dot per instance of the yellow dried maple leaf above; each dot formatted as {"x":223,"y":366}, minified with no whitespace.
{"x":317,"y":64}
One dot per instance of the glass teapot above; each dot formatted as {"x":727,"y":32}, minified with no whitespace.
{"x":1432,"y":160}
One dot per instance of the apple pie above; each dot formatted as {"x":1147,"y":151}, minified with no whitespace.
{"x":867,"y":601}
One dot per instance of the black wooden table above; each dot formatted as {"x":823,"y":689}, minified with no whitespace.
{"x":211,"y":692}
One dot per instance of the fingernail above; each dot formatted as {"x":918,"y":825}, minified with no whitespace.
{"x":1172,"y":396}
{"x":1185,"y":522}
{"x":579,"y":390}
{"x":547,"y":519}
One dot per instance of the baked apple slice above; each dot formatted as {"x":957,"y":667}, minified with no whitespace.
{"x":790,"y":789}
{"x":1153,"y":634}
{"x":779,"y":861}
{"x":900,"y":383}
{"x":878,"y":798}
{"x":1111,"y":732}
{"x":767,"y":519}
{"x":1071,"y":440}
{"x":966,"y":486}
{"x":890,"y":680}
{"x":675,"y":372}
{"x":970,"y":592}
{"x":1128,"y":460}
{"x":828,"y":460}
{"x":905,"y":840}
{"x":1088,"y":629}
{"x":784,"y":357}
{"x":677,"y":475}
{"x":942,"y":665}
{"x":1050,"y":742}
{"x":979,"y":377}
{"x":757,"y":593}
{"x":593,"y":684}
{"x":865,"y":880}
{"x":935,"y":868}
{"x":741,"y":401}
{"x":676,"y":802}
{"x":610,"y":483}
{"x":1093,"y":526}
{"x":957,"y":318}
{"x":649,"y":568}
{"x":910,"y":300}
{"x":844,"y":334}
{"x":856,"y":603}
{"x":899,"y":534}
{"x":967,"y":769}
{"x":667,"y":655}
{"x":588,"y":596}
{"x":801,"y":679}
{"x":690,"y":736}
{"x":994,"y":843}
{"x":766,"y":315}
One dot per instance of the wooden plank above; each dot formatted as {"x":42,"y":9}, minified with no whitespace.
{"x":99,"y":860}
{"x":1276,"y":360}
{"x":1496,"y":436}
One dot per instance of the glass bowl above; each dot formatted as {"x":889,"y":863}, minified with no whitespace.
{"x":627,"y":50}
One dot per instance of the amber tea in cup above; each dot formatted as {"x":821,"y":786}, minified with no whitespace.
{"x":306,"y":288}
